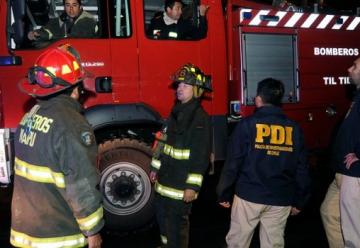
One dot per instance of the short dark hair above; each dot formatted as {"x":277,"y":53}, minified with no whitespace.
{"x":171,"y":3}
{"x":271,"y":91}
{"x":79,"y":2}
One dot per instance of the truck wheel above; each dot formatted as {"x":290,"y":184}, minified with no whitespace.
{"x":127,"y":193}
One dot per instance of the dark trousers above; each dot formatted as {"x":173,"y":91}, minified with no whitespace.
{"x":173,"y":219}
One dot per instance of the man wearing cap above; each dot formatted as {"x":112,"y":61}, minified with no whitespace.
{"x":178,"y":169}
{"x":266,"y":164}
{"x":55,"y":201}
{"x":172,"y":25}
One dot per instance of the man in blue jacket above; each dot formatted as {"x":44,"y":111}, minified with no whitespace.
{"x":267,"y":164}
{"x":347,"y":160}
{"x":344,"y":197}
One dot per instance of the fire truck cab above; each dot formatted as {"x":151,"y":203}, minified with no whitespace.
{"x":246,"y":41}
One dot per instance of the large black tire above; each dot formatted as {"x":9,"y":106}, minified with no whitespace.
{"x":127,"y":193}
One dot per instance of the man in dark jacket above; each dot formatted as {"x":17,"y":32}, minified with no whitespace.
{"x":347,"y":156}
{"x":266,"y":162}
{"x":172,"y":25}
{"x":182,"y":157}
{"x":344,"y":197}
{"x":74,"y":22}
{"x":55,"y":201}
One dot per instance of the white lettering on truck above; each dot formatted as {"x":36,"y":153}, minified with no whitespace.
{"x":93,"y":64}
{"x":335,"y":51}
{"x":338,"y":81}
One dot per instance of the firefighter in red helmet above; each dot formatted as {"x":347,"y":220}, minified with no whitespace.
{"x":55,"y":201}
{"x":181,"y":157}
{"x":55,"y":70}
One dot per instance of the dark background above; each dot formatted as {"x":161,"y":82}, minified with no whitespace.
{"x":334,"y":4}
{"x":210,"y":222}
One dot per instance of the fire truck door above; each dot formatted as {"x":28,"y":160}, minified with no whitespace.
{"x":123,"y":51}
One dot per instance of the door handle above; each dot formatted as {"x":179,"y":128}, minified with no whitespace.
{"x":103,"y":84}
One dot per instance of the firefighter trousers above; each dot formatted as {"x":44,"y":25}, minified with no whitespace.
{"x":173,"y":220}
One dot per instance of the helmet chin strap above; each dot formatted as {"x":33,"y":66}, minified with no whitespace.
{"x":81,"y":88}
{"x":198,"y":91}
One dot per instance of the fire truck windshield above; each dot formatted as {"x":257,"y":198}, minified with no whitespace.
{"x":37,"y":24}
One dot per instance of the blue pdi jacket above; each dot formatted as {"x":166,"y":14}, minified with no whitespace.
{"x":266,"y":161}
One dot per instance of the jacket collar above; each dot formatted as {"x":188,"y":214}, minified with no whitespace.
{"x":269,"y":110}
{"x":64,"y":100}
{"x":168,"y":20}
{"x":183,"y":114}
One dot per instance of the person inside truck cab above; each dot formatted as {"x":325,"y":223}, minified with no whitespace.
{"x":74,"y":22}
{"x":171,"y":24}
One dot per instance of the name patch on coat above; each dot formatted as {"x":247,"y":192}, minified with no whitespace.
{"x":32,"y":124}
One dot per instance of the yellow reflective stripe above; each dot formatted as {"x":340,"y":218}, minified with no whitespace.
{"x":173,"y":34}
{"x":23,"y":240}
{"x":180,"y":154}
{"x":194,"y":179}
{"x":155,"y":163}
{"x":39,"y":174}
{"x":76,"y":65}
{"x":169,"y":192}
{"x":65,"y":69}
{"x":50,"y":34}
{"x":50,"y":69}
{"x":92,"y":220}
{"x":163,"y":239}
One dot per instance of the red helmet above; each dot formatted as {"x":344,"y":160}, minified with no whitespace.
{"x":55,"y":70}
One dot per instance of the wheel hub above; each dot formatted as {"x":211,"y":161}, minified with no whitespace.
{"x":126,"y":188}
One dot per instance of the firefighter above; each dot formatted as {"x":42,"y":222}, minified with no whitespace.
{"x":55,"y":200}
{"x":266,"y":163}
{"x":178,"y":169}
{"x":74,"y":22}
{"x":171,"y":24}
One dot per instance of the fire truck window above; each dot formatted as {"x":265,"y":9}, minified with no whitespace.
{"x":263,"y":55}
{"x":41,"y":15}
{"x":189,"y":27}
{"x":121,"y":26}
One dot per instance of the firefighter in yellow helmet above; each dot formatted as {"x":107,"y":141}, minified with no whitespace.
{"x":55,"y":201}
{"x":181,"y":157}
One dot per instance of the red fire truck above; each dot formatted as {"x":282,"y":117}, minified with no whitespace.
{"x":246,"y":41}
